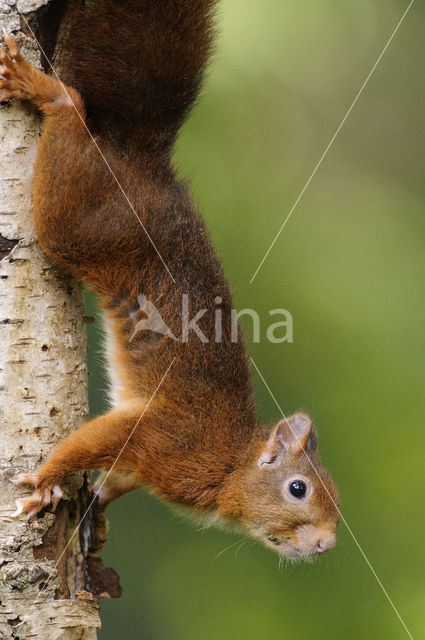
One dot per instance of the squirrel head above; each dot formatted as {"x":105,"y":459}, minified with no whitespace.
{"x":284,"y":497}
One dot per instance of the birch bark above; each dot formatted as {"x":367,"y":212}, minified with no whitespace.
{"x":43,"y":395}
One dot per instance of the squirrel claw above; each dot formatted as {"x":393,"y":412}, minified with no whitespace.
{"x":27,"y":507}
{"x":56,"y":495}
{"x":31,"y":505}
{"x":12,"y":46}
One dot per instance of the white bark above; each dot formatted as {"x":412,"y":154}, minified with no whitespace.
{"x":43,"y":395}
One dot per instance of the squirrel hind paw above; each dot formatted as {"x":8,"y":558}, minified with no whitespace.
{"x":27,"y":507}
{"x":25,"y":478}
{"x":31,"y":505}
{"x":15,"y":72}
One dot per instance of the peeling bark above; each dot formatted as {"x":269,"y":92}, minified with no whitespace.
{"x":43,"y":396}
{"x":6,"y":245}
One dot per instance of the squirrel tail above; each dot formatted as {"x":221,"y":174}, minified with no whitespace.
{"x":138,"y":65}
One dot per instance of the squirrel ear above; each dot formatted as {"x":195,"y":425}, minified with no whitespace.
{"x":298,"y":433}
{"x":290,"y":436}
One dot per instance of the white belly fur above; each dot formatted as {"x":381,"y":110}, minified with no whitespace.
{"x":116,"y":386}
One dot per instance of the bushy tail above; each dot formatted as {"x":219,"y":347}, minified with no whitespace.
{"x":138,"y":65}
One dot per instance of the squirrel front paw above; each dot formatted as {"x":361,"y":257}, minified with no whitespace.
{"x":15,"y":72}
{"x":41,"y":497}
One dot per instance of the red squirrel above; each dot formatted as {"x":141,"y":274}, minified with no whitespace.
{"x":183,"y":422}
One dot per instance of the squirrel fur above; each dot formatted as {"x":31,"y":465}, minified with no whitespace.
{"x":184,"y":422}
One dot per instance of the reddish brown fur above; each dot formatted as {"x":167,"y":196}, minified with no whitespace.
{"x":199,"y":440}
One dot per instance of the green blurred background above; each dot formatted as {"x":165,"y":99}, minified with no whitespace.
{"x":349,"y":266}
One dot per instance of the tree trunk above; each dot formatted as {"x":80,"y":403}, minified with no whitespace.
{"x":46,"y":586}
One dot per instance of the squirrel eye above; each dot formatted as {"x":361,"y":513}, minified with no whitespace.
{"x":298,"y":489}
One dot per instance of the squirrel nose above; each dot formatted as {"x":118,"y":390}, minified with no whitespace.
{"x":325,"y":544}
